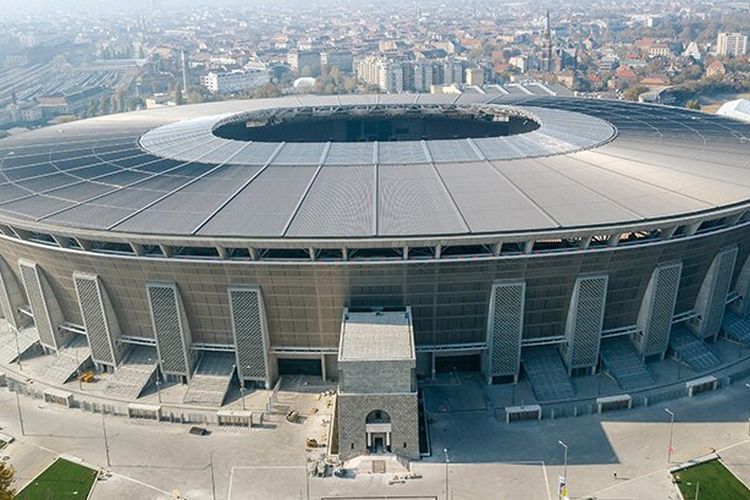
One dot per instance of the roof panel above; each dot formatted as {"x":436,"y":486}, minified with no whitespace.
{"x":413,"y":200}
{"x":350,"y":153}
{"x":264,"y":207}
{"x":488,"y":200}
{"x":340,"y":203}
{"x":394,"y":153}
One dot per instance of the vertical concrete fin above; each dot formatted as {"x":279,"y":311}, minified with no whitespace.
{"x":505,"y":327}
{"x":171,"y":329}
{"x":250,"y":333}
{"x":12,"y":297}
{"x":102,"y":327}
{"x":48,"y":315}
{"x":712,"y":297}
{"x":657,"y":309}
{"x":583,"y":328}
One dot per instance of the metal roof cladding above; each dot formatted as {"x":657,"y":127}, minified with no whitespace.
{"x":165,"y":171}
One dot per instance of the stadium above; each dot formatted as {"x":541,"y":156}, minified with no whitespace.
{"x":518,"y":233}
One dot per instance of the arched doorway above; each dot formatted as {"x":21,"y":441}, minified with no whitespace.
{"x":378,"y":431}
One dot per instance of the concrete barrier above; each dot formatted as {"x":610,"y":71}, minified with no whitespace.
{"x":610,"y":403}
{"x":527,"y":412}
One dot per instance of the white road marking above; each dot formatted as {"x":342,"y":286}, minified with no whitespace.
{"x":115,"y":474}
{"x":653,"y":473}
{"x":253,"y":467}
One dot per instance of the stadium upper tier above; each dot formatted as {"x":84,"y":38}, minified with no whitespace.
{"x":389,"y":166}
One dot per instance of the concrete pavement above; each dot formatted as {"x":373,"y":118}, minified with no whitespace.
{"x":488,"y":458}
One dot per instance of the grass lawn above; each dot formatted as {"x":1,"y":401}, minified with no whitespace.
{"x":63,"y":479}
{"x":716,"y":483}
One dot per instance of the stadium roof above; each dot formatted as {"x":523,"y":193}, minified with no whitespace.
{"x":738,"y":109}
{"x":163,"y":172}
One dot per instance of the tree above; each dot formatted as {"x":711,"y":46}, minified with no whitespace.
{"x":194,"y":95}
{"x":7,"y":474}
{"x":633,"y":92}
{"x":105,"y":105}
{"x":135,"y":103}
{"x":350,"y":85}
{"x":693,"y":104}
{"x":264,"y":91}
{"x":92,"y":107}
{"x":178,"y":95}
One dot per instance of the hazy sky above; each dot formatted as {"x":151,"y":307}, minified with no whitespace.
{"x":19,"y":6}
{"x":12,"y":7}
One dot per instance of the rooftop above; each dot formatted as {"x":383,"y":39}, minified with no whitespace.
{"x":377,"y":336}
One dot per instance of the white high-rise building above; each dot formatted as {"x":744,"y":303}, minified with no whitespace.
{"x":731,"y":44}
{"x":387,"y":75}
{"x":235,"y":81}
{"x":453,"y":72}
{"x":368,"y":70}
{"x":391,"y":77}
{"x":424,"y":75}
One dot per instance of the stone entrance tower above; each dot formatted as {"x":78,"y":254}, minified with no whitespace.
{"x":377,"y":395}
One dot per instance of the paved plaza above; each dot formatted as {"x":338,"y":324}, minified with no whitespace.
{"x":488,"y":458}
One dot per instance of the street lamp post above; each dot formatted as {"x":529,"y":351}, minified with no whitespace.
{"x":565,"y":466}
{"x":213,"y":477}
{"x":20,"y":414}
{"x":18,"y":350}
{"x":671,"y":434}
{"x":307,"y":479}
{"x":78,"y":371}
{"x":748,"y":418}
{"x":158,"y":385}
{"x":106,"y":442}
{"x":242,"y":396}
{"x":447,"y":475}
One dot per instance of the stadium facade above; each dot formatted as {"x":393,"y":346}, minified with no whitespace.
{"x":504,"y":223}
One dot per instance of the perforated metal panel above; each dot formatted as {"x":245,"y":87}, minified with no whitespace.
{"x":170,"y":329}
{"x":505,"y":326}
{"x":11,"y":296}
{"x":657,"y":309}
{"x":584,"y":324}
{"x":712,"y":297}
{"x":741,"y":307}
{"x":250,"y":334}
{"x":101,"y":325}
{"x":32,"y":281}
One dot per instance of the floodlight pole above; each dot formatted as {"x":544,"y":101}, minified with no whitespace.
{"x":565,"y":465}
{"x":671,"y":434}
